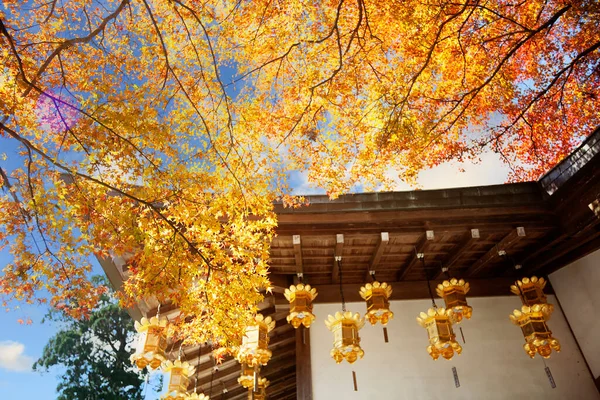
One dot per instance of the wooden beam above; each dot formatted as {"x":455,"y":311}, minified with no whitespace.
{"x":467,"y":200}
{"x":232,"y":367}
{"x":339,"y":249}
{"x":283,"y":386}
{"x":506,"y":242}
{"x":298,"y":253}
{"x":205,"y":361}
{"x":279,"y":283}
{"x":384,"y":239}
{"x":459,"y":250}
{"x":310,"y":225}
{"x":413,"y":259}
{"x":283,"y":376}
{"x":168,"y":310}
{"x":207,"y":364}
{"x":303,"y":364}
{"x":564,"y":252}
{"x":272,"y":371}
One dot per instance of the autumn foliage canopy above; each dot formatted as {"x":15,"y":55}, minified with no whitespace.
{"x":163,"y":130}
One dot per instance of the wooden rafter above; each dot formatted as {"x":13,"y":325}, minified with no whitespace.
{"x":412,"y":261}
{"x":384,"y":239}
{"x":458,"y":251}
{"x":493,"y":253}
{"x":339,"y":249}
{"x":569,"y":245}
{"x":296,"y":240}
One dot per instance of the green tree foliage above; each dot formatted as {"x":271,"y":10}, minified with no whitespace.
{"x":95,"y":354}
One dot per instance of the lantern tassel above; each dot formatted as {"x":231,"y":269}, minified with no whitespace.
{"x":549,"y":374}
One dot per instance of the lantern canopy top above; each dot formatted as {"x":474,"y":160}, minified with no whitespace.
{"x":332,"y":320}
{"x":450,"y":283}
{"x":146,"y":324}
{"x":367,"y":290}
{"x":289,"y":293}
{"x":187,"y":368}
{"x":540,"y":283}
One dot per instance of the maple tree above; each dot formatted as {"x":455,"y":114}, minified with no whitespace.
{"x":166,"y":129}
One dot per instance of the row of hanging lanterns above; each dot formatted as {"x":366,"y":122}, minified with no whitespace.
{"x":438,"y":322}
{"x":254,"y":352}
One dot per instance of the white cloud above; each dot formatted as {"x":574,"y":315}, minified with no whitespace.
{"x":489,"y":171}
{"x":12,"y":357}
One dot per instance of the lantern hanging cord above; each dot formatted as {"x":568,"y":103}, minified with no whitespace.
{"x":212,"y":377}
{"x":428,"y":283}
{"x":198,"y":369}
{"x":147,"y":383}
{"x":339,"y":261}
{"x":447,"y":271}
{"x":180,"y":349}
{"x":158,"y":310}
{"x":504,"y":256}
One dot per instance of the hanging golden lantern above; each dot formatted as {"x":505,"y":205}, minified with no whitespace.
{"x":196,"y":396}
{"x":346,"y":341}
{"x":179,"y":379}
{"x":377,"y":296}
{"x":300,"y":297}
{"x":454,"y":292}
{"x":152,"y":342}
{"x":538,"y":337}
{"x":174,"y":396}
{"x":533,"y":316}
{"x":261,"y":393}
{"x":246,"y":378}
{"x":255,"y":343}
{"x":531,"y":291}
{"x":442,"y":340}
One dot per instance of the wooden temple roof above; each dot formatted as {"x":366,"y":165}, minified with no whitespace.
{"x":479,"y":233}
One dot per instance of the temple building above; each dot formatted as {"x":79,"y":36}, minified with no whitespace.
{"x":488,"y":238}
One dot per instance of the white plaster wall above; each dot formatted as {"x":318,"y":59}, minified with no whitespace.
{"x":493,"y":365}
{"x":576,"y":286}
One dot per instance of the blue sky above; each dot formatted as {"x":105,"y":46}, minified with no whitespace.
{"x":22,"y":345}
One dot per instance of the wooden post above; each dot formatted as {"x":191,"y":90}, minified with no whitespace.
{"x":303,"y":368}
